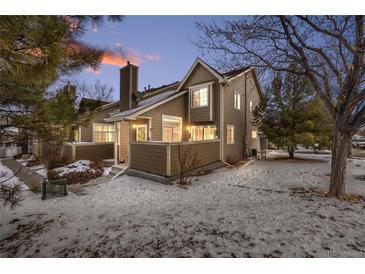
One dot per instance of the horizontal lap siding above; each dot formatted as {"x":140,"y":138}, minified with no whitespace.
{"x":95,"y":152}
{"x":67,"y":152}
{"x":207,"y":153}
{"x":149,"y":158}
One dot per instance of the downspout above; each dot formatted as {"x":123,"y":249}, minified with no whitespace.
{"x":245,"y":136}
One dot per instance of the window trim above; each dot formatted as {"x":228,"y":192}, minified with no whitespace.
{"x":233,"y":141}
{"x":237,"y":95}
{"x":93,"y":132}
{"x":162,"y":127}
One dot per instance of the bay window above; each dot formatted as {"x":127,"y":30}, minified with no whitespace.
{"x":103,"y":132}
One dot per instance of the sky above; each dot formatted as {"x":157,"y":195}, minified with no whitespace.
{"x":161,"y":46}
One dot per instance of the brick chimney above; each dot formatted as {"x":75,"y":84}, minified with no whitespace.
{"x":70,"y":89}
{"x":128,"y":86}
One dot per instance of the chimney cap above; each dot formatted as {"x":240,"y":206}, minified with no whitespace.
{"x":128,"y":63}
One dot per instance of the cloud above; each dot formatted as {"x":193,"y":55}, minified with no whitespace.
{"x":151,"y":57}
{"x":118,"y":45}
{"x":120,"y":57}
{"x":95,"y":71}
{"x":94,"y":29}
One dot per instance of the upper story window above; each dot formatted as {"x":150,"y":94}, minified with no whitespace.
{"x":251,"y":106}
{"x":199,"y":97}
{"x":237,"y":100}
{"x":230,"y":134}
{"x":103,"y":132}
{"x":254,"y":134}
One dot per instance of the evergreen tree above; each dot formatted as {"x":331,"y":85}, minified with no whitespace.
{"x":290,"y":114}
{"x":35,"y":51}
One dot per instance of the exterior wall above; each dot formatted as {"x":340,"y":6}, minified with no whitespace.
{"x":234,"y":117}
{"x":123,"y":146}
{"x":242,"y":118}
{"x":162,"y":158}
{"x":90,"y":151}
{"x":97,"y":117}
{"x":175,"y":107}
{"x":207,"y":152}
{"x":149,"y":158}
{"x":253,"y":95}
{"x":94,"y":151}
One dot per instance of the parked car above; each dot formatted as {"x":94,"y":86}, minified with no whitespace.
{"x":358,"y":142}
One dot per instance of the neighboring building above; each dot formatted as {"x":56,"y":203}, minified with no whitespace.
{"x":207,"y":110}
{"x":94,"y":138}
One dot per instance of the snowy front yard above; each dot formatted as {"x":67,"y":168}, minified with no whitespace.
{"x":250,"y":212}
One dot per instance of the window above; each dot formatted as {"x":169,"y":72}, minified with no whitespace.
{"x":75,"y":135}
{"x":237,"y":100}
{"x":200,"y":133}
{"x":230,"y":134}
{"x":254,"y":134}
{"x":141,"y":132}
{"x":250,"y":105}
{"x":103,"y":132}
{"x":171,"y":128}
{"x":199,"y":97}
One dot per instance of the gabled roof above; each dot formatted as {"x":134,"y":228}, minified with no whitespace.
{"x":205,"y":65}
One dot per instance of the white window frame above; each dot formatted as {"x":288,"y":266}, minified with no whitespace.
{"x":237,"y":100}
{"x":93,"y":135}
{"x":203,"y":127}
{"x":171,"y":117}
{"x":138,"y":126}
{"x":229,"y":141}
{"x":199,"y":88}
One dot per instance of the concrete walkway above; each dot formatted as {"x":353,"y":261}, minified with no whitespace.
{"x":31,"y":178}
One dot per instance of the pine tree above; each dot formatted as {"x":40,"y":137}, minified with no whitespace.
{"x":291,"y":115}
{"x":35,"y":51}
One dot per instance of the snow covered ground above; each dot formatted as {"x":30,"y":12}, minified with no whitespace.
{"x":8,"y":179}
{"x":249,"y":212}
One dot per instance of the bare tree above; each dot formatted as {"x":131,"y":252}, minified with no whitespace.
{"x":187,"y":163}
{"x":9,"y":193}
{"x":96,"y":91}
{"x":327,"y":50}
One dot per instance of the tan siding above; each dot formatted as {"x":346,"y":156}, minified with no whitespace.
{"x":149,"y":158}
{"x":199,"y":75}
{"x":253,"y":95}
{"x":175,"y":107}
{"x":98,"y":117}
{"x":124,"y":144}
{"x":234,"y":117}
{"x":94,"y":152}
{"x":207,"y":152}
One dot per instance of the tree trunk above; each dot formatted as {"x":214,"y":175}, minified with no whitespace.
{"x":340,"y":148}
{"x":291,"y":152}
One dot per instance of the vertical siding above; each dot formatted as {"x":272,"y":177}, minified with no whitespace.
{"x":149,"y":158}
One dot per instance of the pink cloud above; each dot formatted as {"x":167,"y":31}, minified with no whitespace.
{"x":94,"y":29}
{"x":95,"y":71}
{"x":152,"y":57}
{"x":120,"y":58}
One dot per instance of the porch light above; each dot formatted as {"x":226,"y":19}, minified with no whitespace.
{"x":188,"y":128}
{"x":134,"y":126}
